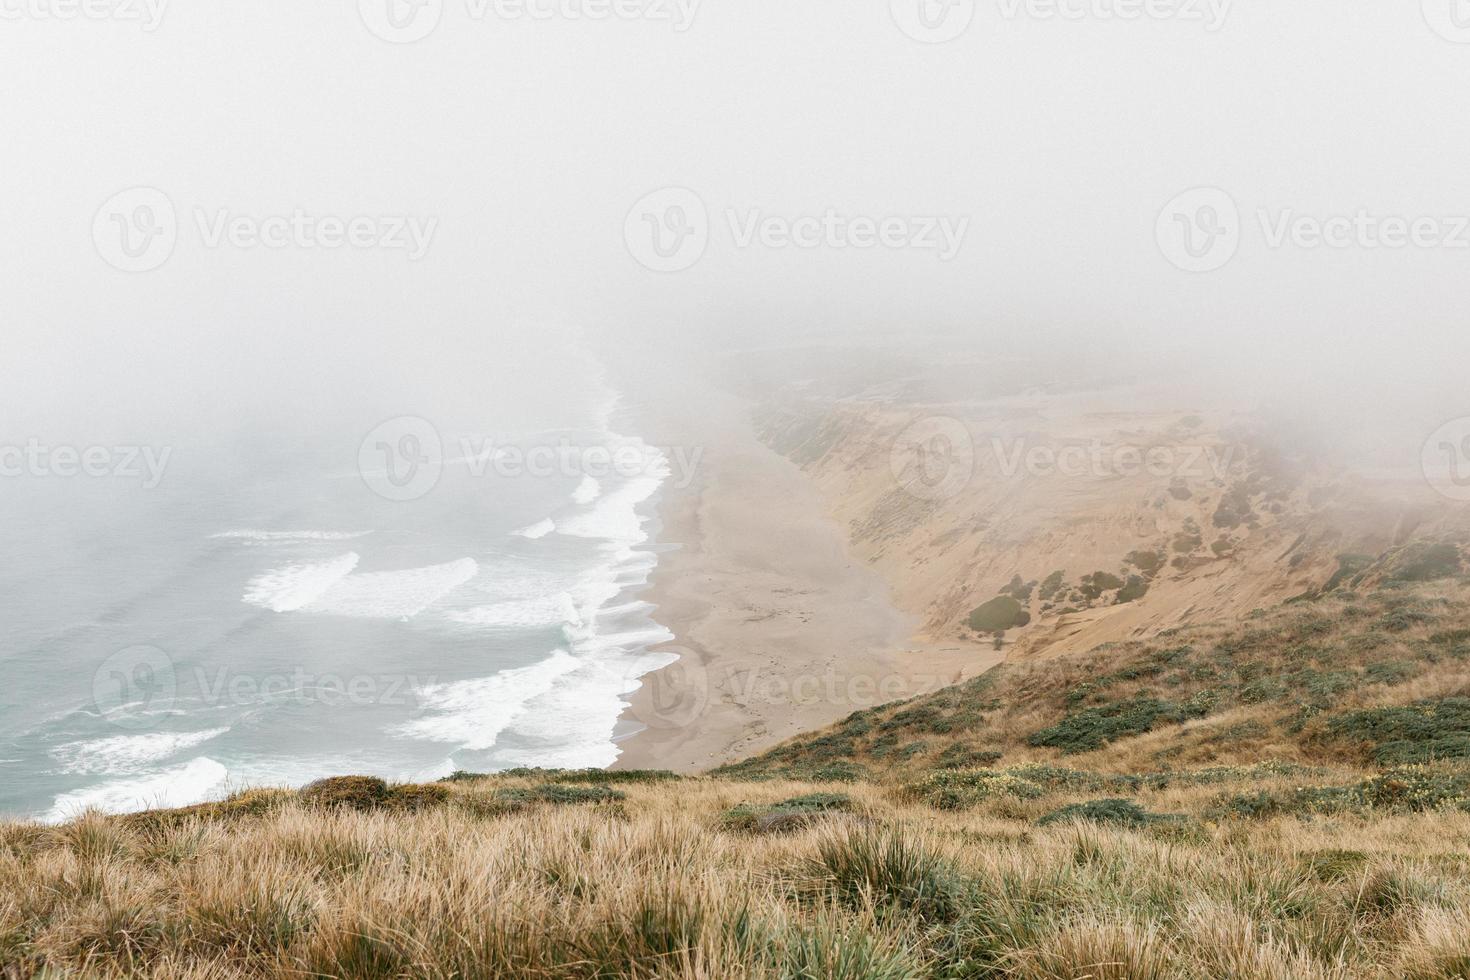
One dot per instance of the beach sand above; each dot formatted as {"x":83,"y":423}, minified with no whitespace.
{"x":779,"y":630}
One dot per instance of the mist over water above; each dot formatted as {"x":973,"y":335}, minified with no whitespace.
{"x":237,"y":241}
{"x":266,"y":616}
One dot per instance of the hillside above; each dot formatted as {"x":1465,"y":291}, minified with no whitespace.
{"x":1286,"y":795}
{"x":1295,"y":682}
{"x":1073,"y":515}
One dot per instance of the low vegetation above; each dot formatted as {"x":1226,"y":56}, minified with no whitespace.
{"x":1283,"y":797}
{"x":1257,"y":872}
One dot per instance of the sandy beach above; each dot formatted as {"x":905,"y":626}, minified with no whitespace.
{"x":779,"y":630}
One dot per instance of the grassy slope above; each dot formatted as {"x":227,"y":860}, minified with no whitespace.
{"x":1233,"y":800}
{"x":1285,"y":684}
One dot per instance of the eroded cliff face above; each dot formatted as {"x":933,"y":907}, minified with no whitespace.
{"x":1095,"y":518}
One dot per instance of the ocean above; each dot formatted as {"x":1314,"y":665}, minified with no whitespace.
{"x":403,"y":598}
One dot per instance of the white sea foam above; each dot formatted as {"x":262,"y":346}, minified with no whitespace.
{"x":192,"y":782}
{"x":296,"y":586}
{"x":571,"y":726}
{"x":292,"y":535}
{"x":538,"y":530}
{"x":473,"y":713}
{"x":528,"y":613}
{"x":587,"y":491}
{"x":393,"y":595}
{"x":614,"y":516}
{"x":122,"y":754}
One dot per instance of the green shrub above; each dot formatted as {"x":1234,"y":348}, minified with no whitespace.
{"x":1094,"y":728}
{"x":1390,"y":672}
{"x":892,"y":872}
{"x":1426,"y":563}
{"x":1113,"y":812}
{"x":830,"y":952}
{"x":1399,"y":620}
{"x":414,"y":797}
{"x":1051,"y":585}
{"x":1397,"y":735}
{"x":959,"y":756}
{"x":346,"y":792}
{"x":959,"y":789}
{"x":558,"y":793}
{"x":1094,"y":585}
{"x":1133,"y":590}
{"x":1348,"y":566}
{"x":1301,"y":801}
{"x":786,"y":816}
{"x":998,"y":615}
{"x":1333,"y":865}
{"x":1147,"y":562}
{"x":1019,"y":590}
{"x":1419,"y":787}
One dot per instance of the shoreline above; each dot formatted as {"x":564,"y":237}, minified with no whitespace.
{"x":778,"y":629}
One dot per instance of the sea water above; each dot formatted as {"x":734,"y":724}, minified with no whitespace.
{"x":264,"y":617}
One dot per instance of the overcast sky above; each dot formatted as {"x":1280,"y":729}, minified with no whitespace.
{"x":1052,"y":145}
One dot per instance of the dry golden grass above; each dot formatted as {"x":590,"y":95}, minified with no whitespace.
{"x":1242,"y":833}
{"x":655,"y":886}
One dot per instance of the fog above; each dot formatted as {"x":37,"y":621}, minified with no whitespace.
{"x":527,"y":141}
